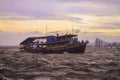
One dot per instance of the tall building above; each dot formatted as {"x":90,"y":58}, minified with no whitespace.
{"x":98,"y":42}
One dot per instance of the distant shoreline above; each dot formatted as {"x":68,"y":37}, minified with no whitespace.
{"x":9,"y":47}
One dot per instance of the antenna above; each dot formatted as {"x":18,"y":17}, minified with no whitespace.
{"x":46,"y":30}
{"x":66,"y":32}
{"x":72,"y":29}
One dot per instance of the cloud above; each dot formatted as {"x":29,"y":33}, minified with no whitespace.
{"x":98,"y":22}
{"x":92,"y":8}
{"x":57,"y":9}
{"x":114,"y":25}
{"x":26,"y":14}
{"x":98,"y":1}
{"x":30,"y":15}
{"x":36,"y":8}
{"x":15,"y":17}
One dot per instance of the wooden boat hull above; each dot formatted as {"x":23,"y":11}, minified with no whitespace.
{"x":78,"y":48}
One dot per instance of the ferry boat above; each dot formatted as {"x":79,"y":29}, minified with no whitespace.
{"x":54,"y":44}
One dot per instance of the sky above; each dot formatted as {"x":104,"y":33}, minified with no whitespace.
{"x":91,"y":17}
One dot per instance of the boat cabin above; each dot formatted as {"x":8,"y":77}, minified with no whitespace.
{"x":41,"y":42}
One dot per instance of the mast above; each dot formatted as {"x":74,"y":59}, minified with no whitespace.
{"x":66,"y":31}
{"x":72,"y":29}
{"x":46,"y":30}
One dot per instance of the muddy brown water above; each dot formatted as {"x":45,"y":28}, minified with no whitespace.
{"x":94,"y":64}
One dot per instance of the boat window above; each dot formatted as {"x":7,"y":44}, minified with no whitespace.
{"x":52,"y":38}
{"x":40,"y":40}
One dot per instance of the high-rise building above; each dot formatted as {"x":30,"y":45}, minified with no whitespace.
{"x":98,"y":42}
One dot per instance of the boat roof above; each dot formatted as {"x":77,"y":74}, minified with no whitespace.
{"x":43,"y":37}
{"x":31,"y":39}
{"x":67,"y":35}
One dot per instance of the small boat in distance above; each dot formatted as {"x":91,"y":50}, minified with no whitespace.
{"x":54,"y":44}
